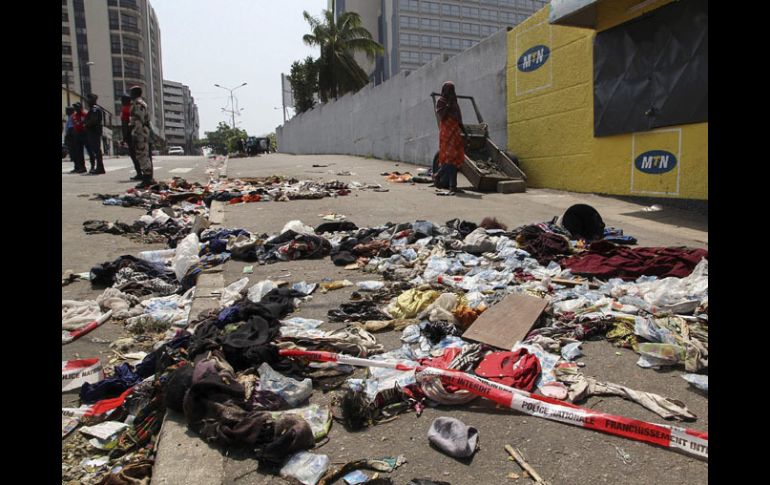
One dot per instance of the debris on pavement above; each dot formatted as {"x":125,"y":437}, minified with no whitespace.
{"x":517,"y":456}
{"x":480,"y":311}
{"x":453,"y":437}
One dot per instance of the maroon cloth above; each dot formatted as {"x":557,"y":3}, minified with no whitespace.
{"x":518,"y":369}
{"x":606,"y":260}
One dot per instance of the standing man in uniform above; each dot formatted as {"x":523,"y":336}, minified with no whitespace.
{"x":93,"y":123}
{"x":140,"y":135}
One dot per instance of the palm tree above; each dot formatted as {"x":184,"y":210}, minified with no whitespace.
{"x":339,"y":40}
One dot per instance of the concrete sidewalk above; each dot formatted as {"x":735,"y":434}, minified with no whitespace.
{"x":562,"y":454}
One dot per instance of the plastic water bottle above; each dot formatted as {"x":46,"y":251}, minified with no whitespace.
{"x":159,"y":256}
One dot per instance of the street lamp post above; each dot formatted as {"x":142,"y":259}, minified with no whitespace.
{"x":232,"y":105}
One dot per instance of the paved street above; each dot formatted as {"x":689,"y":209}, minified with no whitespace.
{"x":561,"y":454}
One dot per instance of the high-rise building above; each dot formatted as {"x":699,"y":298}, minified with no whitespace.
{"x":181,"y":116}
{"x":414,"y":32}
{"x":109,"y":46}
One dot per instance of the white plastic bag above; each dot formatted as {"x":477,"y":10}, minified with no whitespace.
{"x":306,"y":467}
{"x":292,"y":391}
{"x":232,"y":292}
{"x":259,"y":290}
{"x":186,"y":256}
{"x":298,"y":227}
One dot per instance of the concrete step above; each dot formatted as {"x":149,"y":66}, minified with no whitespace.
{"x":512,"y":186}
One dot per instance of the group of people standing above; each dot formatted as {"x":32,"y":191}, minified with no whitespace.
{"x":84,"y":131}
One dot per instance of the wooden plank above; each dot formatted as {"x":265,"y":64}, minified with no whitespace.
{"x":507,"y":322}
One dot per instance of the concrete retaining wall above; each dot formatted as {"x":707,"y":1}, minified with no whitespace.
{"x":395,"y":120}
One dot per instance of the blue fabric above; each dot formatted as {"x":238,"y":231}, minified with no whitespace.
{"x":70,"y":123}
{"x":222,"y":234}
{"x":447,"y":176}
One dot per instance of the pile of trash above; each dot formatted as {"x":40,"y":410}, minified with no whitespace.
{"x":243,"y":374}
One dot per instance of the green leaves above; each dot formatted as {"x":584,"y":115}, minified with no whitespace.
{"x":335,"y":72}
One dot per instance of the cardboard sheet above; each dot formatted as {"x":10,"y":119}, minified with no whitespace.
{"x":507,"y":322}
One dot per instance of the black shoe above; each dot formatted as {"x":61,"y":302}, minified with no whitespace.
{"x":96,"y":172}
{"x":136,"y":177}
{"x":74,"y":170}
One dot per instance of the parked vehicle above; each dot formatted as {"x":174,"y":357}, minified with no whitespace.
{"x":255,"y":146}
{"x":175,"y":150}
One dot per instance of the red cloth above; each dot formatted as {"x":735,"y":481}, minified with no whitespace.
{"x":450,"y":143}
{"x":606,"y":260}
{"x":105,"y":405}
{"x":125,"y":112}
{"x":78,"y":121}
{"x":518,"y":369}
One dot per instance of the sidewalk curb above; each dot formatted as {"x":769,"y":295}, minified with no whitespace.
{"x":182,"y":456}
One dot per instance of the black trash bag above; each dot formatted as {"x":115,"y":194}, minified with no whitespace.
{"x":583,"y":222}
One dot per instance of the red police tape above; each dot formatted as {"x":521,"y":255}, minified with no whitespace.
{"x":691,"y":442}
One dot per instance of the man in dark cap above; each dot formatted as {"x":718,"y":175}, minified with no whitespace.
{"x":78,"y":138}
{"x":125,"y":123}
{"x":140,"y":135}
{"x":94,"y":123}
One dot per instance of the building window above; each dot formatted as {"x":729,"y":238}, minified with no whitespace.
{"x":115,"y":44}
{"x":432,"y":41}
{"x":118,"y":87}
{"x":450,"y":10}
{"x":470,"y":12}
{"x":467,"y":44}
{"x":65,"y":30}
{"x":407,"y":22}
{"x":451,"y":43}
{"x":487,"y":30}
{"x":65,"y":17}
{"x":653,"y":71}
{"x":471,"y":29}
{"x":114,"y":22}
{"x":410,"y":56}
{"x":410,"y":39}
{"x":447,"y":26}
{"x":66,"y":66}
{"x":409,"y":5}
{"x":130,"y":23}
{"x":429,"y":7}
{"x":508,"y":18}
{"x":429,"y":24}
{"x":112,"y":3}
{"x":488,"y":15}
{"x":66,"y":49}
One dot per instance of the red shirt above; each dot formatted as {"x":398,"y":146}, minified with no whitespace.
{"x":78,"y":119}
{"x":125,"y":113}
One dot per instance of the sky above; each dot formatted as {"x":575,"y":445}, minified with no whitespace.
{"x":229,"y":42}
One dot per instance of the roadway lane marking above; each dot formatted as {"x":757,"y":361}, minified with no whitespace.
{"x":180,"y":170}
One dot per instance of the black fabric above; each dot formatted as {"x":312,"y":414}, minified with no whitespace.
{"x":104,"y":274}
{"x":343,"y":258}
{"x":583,"y":222}
{"x":336,"y":227}
{"x":216,"y":409}
{"x":463,"y":227}
{"x":652,"y":71}
{"x":176,"y":388}
{"x":357,"y":311}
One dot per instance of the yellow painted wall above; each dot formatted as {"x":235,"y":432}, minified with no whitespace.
{"x":550,"y":119}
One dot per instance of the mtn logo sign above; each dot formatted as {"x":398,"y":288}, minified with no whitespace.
{"x":655,"y":162}
{"x":533,"y":58}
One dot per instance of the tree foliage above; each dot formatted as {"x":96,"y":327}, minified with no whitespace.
{"x":338,"y":72}
{"x":303,"y":78}
{"x":224,"y":139}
